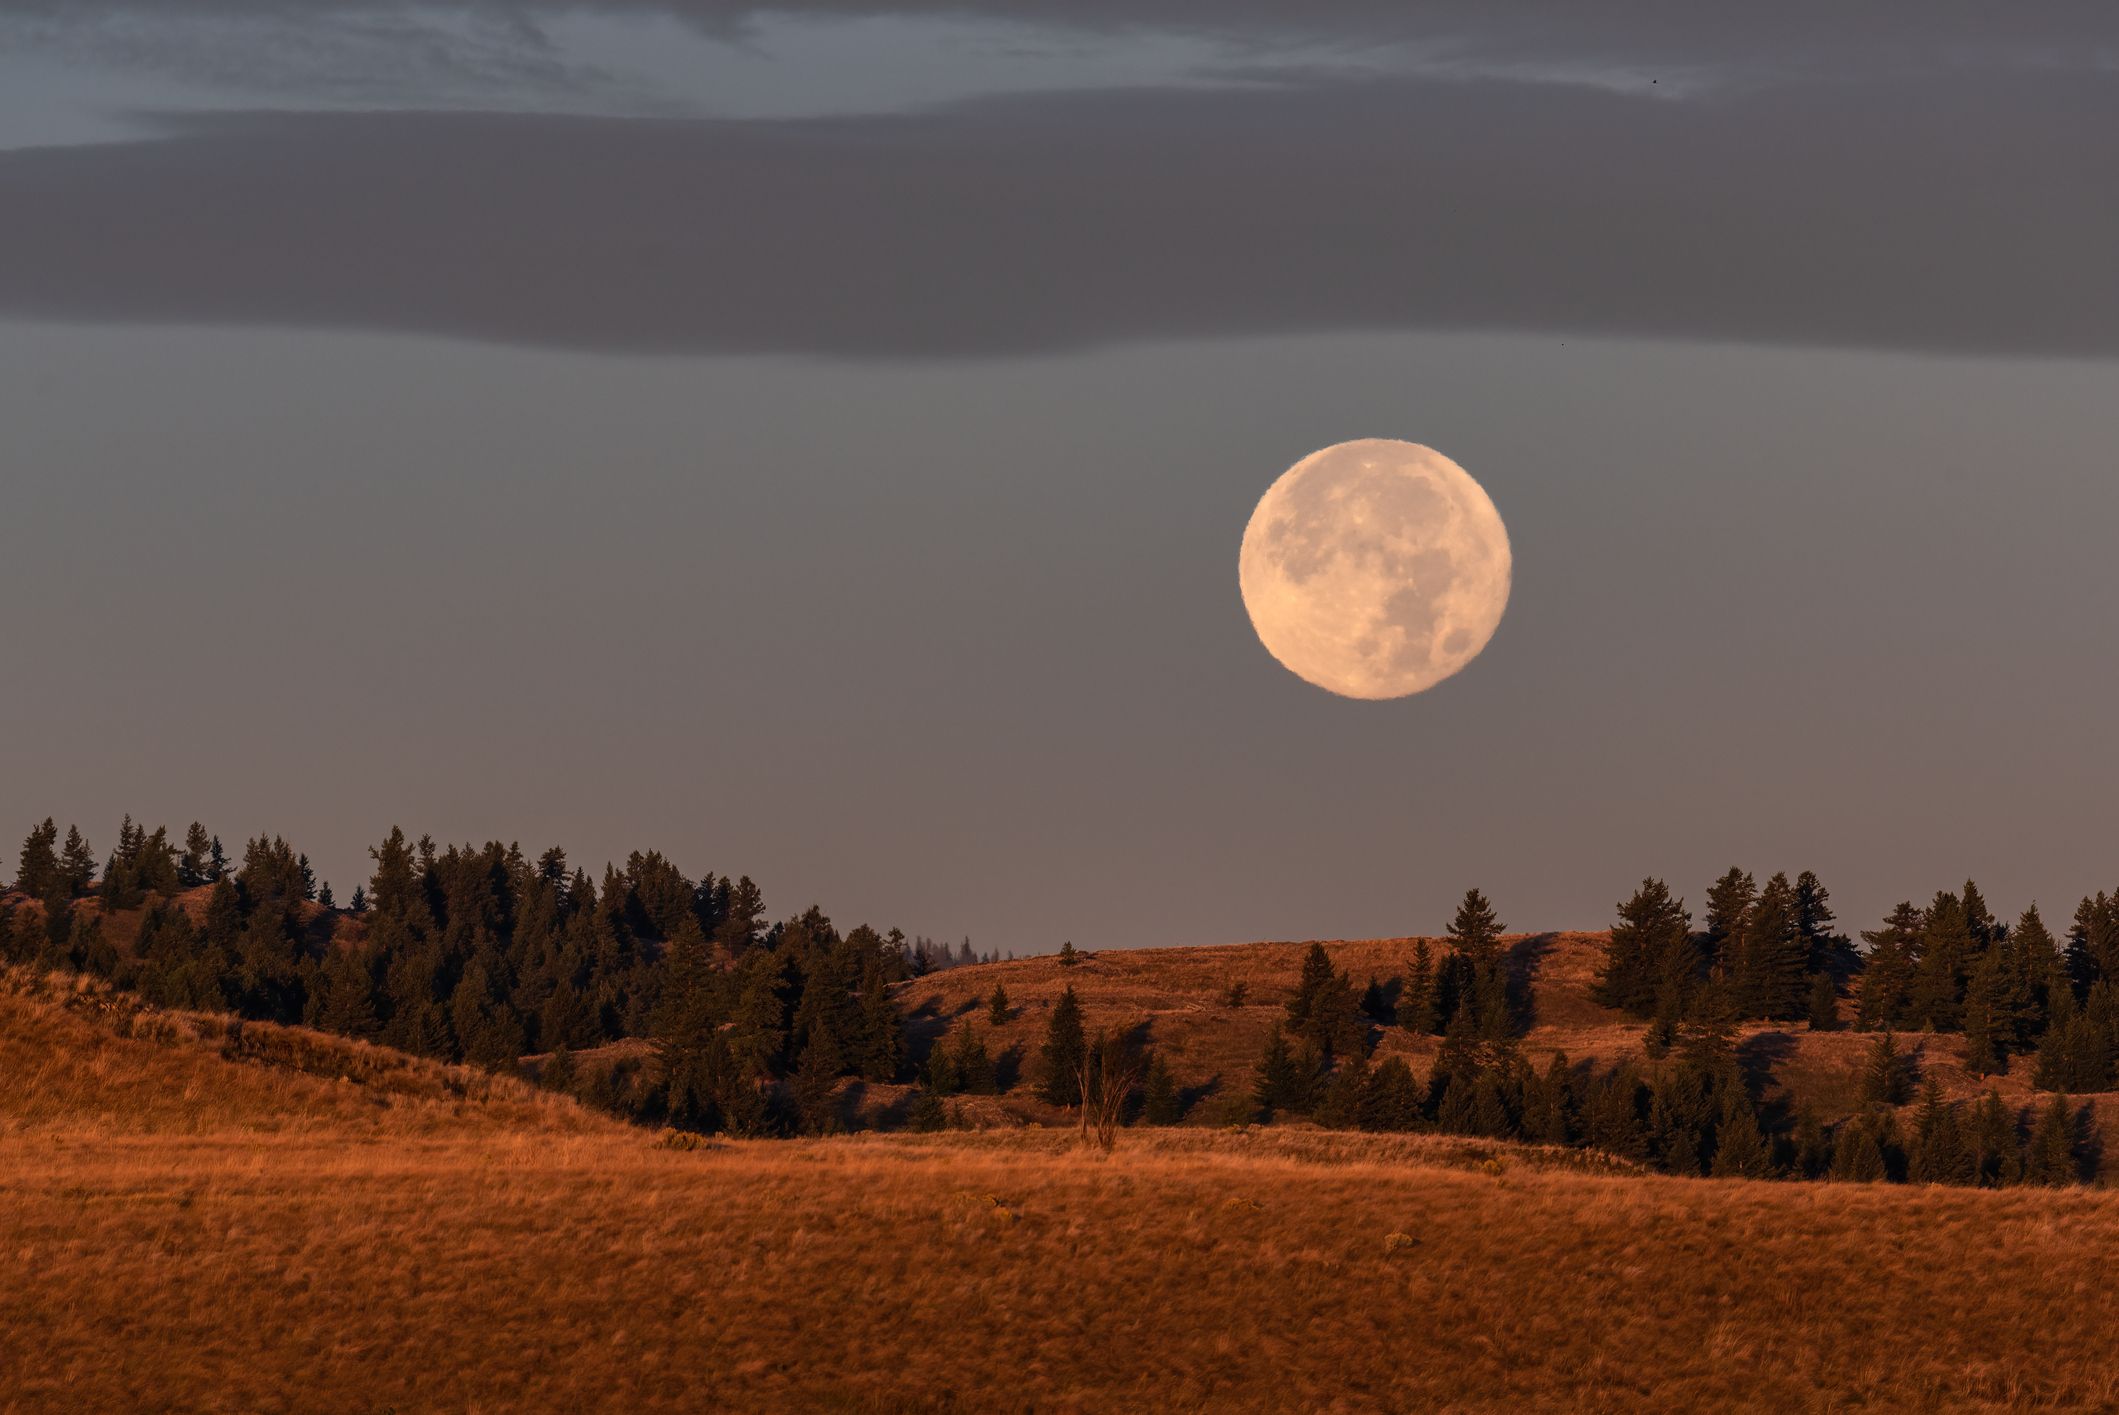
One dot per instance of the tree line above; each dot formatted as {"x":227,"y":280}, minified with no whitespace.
{"x":483,"y":954}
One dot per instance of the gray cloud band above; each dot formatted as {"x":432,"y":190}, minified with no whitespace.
{"x":1918,"y":214}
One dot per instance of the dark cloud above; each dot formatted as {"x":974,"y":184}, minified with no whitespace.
{"x":1915,"y":213}
{"x":1786,"y":41}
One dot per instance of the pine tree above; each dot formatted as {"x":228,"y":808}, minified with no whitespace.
{"x":1475,"y":931}
{"x":1936,"y":996}
{"x":997,"y":1010}
{"x":2093,"y":940}
{"x":1317,"y":976}
{"x":558,"y":1071}
{"x":1069,"y":956}
{"x":77,"y":863}
{"x":1740,"y":1151}
{"x":1652,"y":927}
{"x":1814,"y":921}
{"x":1730,"y":901}
{"x":1278,"y":1085}
{"x":2051,"y":1156}
{"x":1340,"y":1106}
{"x":1884,"y":1076}
{"x":881,"y":1049}
{"x":358,"y":904}
{"x":38,"y":873}
{"x":1990,"y":1144}
{"x":1811,"y":1151}
{"x":1392,"y":1102}
{"x":1767,"y":975}
{"x":348,"y":1006}
{"x":972,"y":1063}
{"x":1985,"y":1016}
{"x":1887,"y":978}
{"x":191,"y":862}
{"x":1160,"y":1102}
{"x":1613,"y":1119}
{"x":1856,"y":1156}
{"x":1419,"y":1006}
{"x":1824,"y":1004}
{"x":1548,"y":1110}
{"x":1063,"y":1052}
{"x":1939,"y":1154}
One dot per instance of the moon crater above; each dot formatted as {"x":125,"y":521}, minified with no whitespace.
{"x":1375,"y":568}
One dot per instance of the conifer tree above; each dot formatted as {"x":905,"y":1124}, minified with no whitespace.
{"x":77,"y":863}
{"x":1990,"y":1144}
{"x":558,"y":1071}
{"x":972,"y":1063}
{"x":1392,"y":1101}
{"x":1939,"y":1154}
{"x":1730,"y":901}
{"x":1548,"y":1110}
{"x":1317,"y":976}
{"x":1856,"y":1156}
{"x":1340,"y":1106}
{"x":1814,"y":921}
{"x":1887,"y":979}
{"x":1651,"y":927}
{"x":2050,"y":1159}
{"x":1988,"y":1031}
{"x":1884,"y":1075}
{"x":881,"y":1048}
{"x":1936,"y":996}
{"x":1740,"y":1151}
{"x":191,"y":865}
{"x":1810,"y":1151}
{"x":1419,"y":1006}
{"x":1064,"y":1050}
{"x":38,"y":875}
{"x":997,"y":1010}
{"x":2034,"y":962}
{"x":1160,"y":1102}
{"x":2093,"y":939}
{"x":1475,"y":930}
{"x":1768,"y":974}
{"x":1069,"y":956}
{"x":1824,"y":1004}
{"x":349,"y":996}
{"x":1276,"y":1085}
{"x":1613,"y":1118}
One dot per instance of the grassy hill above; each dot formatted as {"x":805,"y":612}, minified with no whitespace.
{"x":1176,"y":998}
{"x":201,"y":1218}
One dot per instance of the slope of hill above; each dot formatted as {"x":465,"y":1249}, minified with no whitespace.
{"x":1175,"y":1000}
{"x":79,"y":1055}
{"x":204,"y":1218}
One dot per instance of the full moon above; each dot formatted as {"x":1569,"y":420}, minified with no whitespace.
{"x":1375,"y":569}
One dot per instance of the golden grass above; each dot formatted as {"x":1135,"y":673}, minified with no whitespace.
{"x":1015,"y":1272}
{"x":183,"y":1229}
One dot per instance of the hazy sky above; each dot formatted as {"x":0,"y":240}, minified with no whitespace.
{"x":816,"y":443}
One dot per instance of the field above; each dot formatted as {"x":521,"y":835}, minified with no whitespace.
{"x":279,"y":1221}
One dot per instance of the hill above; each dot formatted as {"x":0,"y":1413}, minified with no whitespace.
{"x":1177,"y":1001}
{"x":197,"y":1223}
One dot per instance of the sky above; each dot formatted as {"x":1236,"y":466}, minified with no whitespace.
{"x":815,"y":442}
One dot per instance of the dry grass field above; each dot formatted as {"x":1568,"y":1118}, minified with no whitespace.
{"x":286,"y":1222}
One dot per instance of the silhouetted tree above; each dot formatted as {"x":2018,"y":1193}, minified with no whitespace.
{"x":1063,"y":1052}
{"x":1160,"y":1102}
{"x":1652,"y":928}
